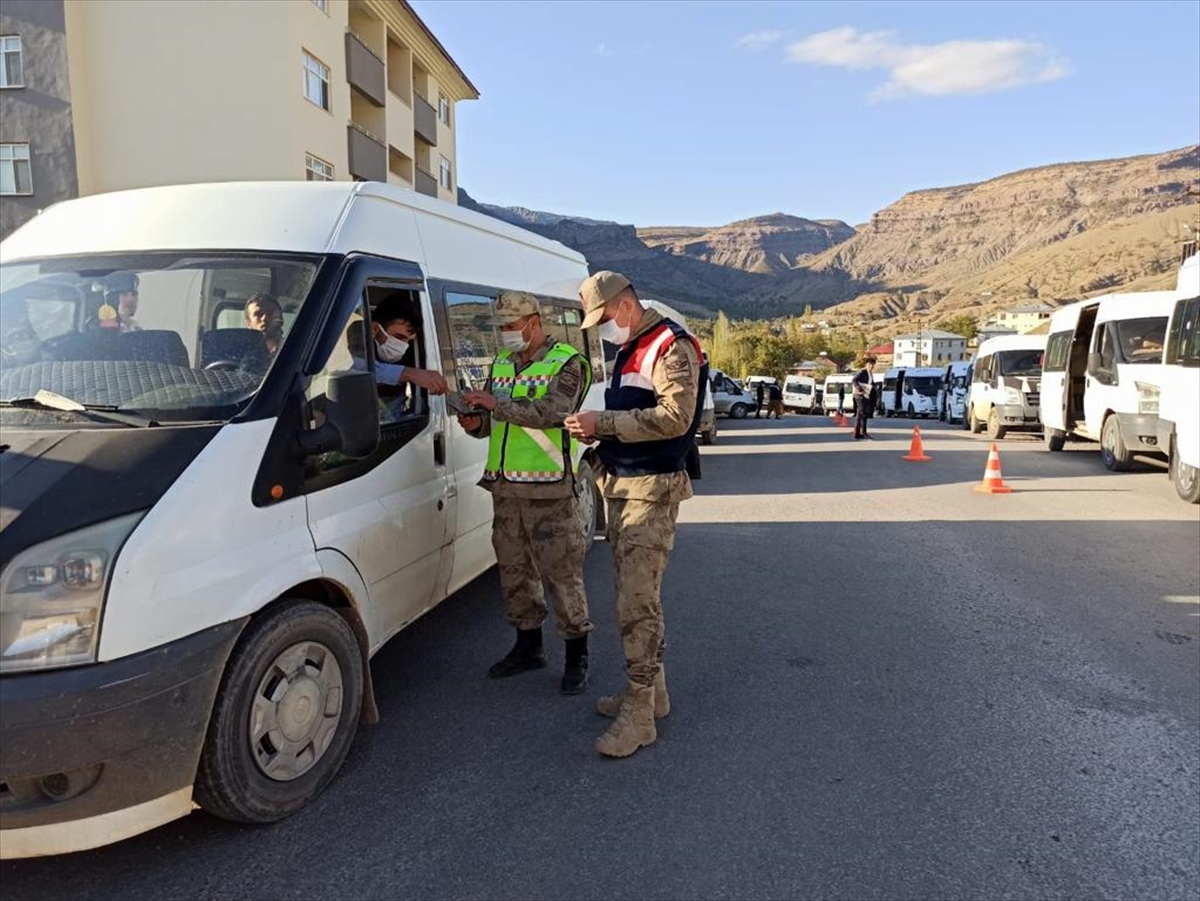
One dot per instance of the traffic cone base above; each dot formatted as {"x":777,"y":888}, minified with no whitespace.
{"x":993,"y":479}
{"x":916,"y":451}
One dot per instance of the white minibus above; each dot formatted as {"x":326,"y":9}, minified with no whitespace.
{"x":911,"y":392}
{"x":831,"y":400}
{"x":1179,"y":385}
{"x":1103,"y":361}
{"x":218,"y":503}
{"x":1005,"y":385}
{"x":799,"y":394}
{"x":952,"y":395}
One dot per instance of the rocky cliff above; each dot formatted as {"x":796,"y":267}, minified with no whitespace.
{"x":766,"y":244}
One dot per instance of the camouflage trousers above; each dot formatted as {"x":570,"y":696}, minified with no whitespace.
{"x":536,"y":542}
{"x":642,"y":534}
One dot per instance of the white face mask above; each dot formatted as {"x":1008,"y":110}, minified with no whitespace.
{"x":392,"y":350}
{"x":514,"y":341}
{"x":613,"y":333}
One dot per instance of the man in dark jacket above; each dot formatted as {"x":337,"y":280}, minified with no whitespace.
{"x":758,"y":396}
{"x":864,"y":397}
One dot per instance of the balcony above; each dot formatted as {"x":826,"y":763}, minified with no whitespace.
{"x":368,"y":155}
{"x":426,"y":183}
{"x":425,"y":120}
{"x":365,"y":71}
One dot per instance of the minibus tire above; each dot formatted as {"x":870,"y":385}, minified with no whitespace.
{"x":976,"y":425}
{"x":229,"y":781}
{"x":994,"y":429}
{"x":1113,"y":450}
{"x":1185,"y":478}
{"x":738,"y":411}
{"x":1055,"y":440}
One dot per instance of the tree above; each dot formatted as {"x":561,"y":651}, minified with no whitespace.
{"x":807,"y":310}
{"x":965,"y":325}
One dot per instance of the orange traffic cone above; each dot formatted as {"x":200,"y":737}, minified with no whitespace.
{"x":916,"y":452}
{"x":993,"y":481}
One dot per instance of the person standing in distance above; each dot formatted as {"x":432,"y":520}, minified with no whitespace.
{"x":646,"y":432}
{"x":536,"y":527}
{"x":864,"y":397}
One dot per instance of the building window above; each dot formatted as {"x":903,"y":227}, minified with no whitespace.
{"x":316,"y":81}
{"x":322,"y":5}
{"x":316,"y":169}
{"x":444,"y":175}
{"x":443,"y":109}
{"x":16,"y":177}
{"x":12,"y":73}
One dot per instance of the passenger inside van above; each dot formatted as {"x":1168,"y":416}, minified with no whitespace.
{"x":396,"y":329}
{"x":264,"y":314}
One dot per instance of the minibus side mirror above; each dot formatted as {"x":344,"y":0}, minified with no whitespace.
{"x":351,"y":417}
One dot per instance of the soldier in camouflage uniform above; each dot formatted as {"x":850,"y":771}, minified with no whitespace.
{"x":536,"y":529}
{"x":646,"y":433}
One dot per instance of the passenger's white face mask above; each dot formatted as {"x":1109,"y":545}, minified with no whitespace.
{"x":613,"y":333}
{"x":392,"y":350}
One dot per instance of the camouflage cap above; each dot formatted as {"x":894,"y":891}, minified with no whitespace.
{"x":597,"y":291}
{"x":512,"y":306}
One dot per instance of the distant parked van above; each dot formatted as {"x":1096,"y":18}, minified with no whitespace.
{"x":952,"y":396}
{"x":1104,"y":361}
{"x":832,"y":384}
{"x":799,"y":394}
{"x":1006,"y":378}
{"x":1179,"y":398}
{"x":911,"y":392}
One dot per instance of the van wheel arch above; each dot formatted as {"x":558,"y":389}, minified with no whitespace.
{"x":333,"y":595}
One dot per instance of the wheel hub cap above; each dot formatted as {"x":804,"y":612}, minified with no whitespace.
{"x":296,"y":711}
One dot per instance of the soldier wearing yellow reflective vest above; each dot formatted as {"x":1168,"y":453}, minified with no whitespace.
{"x":536,"y":382}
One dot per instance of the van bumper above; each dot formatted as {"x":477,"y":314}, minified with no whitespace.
{"x":1140,"y":432}
{"x":97,"y":753}
{"x":1018,"y":416}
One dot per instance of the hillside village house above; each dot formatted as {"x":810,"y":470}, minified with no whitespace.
{"x":1023,"y":317}
{"x":929,"y":347}
{"x":991,"y":330}
{"x":98,"y":97}
{"x":884,"y":354}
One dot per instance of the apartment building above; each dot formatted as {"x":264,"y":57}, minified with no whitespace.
{"x":37,"y":132}
{"x":929,"y":347}
{"x":161,"y":92}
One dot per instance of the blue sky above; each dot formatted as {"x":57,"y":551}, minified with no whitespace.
{"x":702,"y":113}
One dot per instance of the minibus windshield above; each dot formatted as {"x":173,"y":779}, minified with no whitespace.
{"x":1020,"y":362}
{"x":926,"y":385}
{"x":188,"y":336}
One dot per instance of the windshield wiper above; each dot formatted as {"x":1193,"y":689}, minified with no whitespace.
{"x":48,"y":400}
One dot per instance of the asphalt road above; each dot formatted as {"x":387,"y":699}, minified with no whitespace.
{"x":884,"y":685}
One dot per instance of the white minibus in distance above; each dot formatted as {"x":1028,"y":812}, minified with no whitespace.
{"x":952,"y":395}
{"x":1179,"y":385}
{"x":911,"y":392}
{"x":1103,"y":359}
{"x":1006,"y":379}
{"x":209,"y":528}
{"x":799,"y":394}
{"x":830,"y":402}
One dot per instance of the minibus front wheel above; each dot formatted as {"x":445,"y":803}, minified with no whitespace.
{"x":284,"y":716}
{"x":1113,"y":449}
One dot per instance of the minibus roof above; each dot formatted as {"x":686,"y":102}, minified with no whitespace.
{"x":1127,"y":305}
{"x":1012,"y":342}
{"x":291,"y":216}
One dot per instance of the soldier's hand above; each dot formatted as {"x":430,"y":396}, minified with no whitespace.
{"x":480,"y":399}
{"x":582,"y":425}
{"x":470,"y":423}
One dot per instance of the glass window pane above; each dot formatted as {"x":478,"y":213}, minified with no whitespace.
{"x":473,"y":338}
{"x":8,"y":179}
{"x":24,"y":177}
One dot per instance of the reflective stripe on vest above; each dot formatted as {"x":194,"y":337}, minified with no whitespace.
{"x":519,"y":454}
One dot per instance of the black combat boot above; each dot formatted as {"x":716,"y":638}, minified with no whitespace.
{"x":575,"y":675}
{"x":525,"y":655}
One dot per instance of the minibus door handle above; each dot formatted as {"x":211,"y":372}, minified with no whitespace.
{"x":439,"y":448}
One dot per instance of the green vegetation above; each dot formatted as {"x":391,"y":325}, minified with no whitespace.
{"x":755,"y":347}
{"x":965,"y":325}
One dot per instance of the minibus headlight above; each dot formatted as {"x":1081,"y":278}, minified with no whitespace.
{"x":1147,"y":398}
{"x":52,"y":595}
{"x":1012,"y":396}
